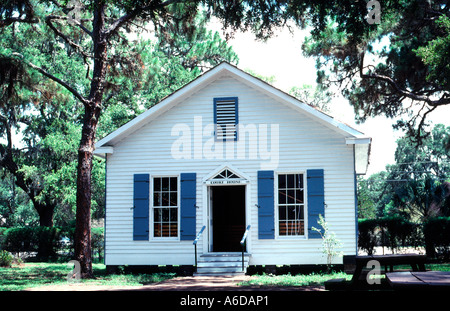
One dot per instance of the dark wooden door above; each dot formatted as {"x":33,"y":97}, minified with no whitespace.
{"x":228,"y":212}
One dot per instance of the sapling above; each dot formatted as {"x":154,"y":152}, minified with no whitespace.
{"x":330,"y":243}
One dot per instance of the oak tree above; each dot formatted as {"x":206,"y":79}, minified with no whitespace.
{"x":396,"y":67}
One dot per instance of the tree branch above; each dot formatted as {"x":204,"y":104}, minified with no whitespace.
{"x":422,"y":121}
{"x":52,"y":77}
{"x":29,"y":15}
{"x":77,"y":22}
{"x":48,"y":21}
{"x":8,"y":21}
{"x":443,"y":100}
{"x":131,"y":15}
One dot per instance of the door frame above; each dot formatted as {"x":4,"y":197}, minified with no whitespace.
{"x":208,"y":209}
{"x":211,"y":213}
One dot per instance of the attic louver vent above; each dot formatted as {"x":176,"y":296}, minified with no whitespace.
{"x":226,"y":174}
{"x":226,"y":118}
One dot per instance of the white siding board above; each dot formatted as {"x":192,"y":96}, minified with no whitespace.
{"x":303,"y":143}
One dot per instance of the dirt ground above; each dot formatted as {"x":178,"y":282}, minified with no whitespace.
{"x":197,"y":283}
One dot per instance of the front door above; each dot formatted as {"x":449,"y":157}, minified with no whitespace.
{"x":228,"y":217}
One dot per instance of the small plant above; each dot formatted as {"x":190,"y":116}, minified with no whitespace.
{"x":6,"y":259}
{"x":329,"y":241}
{"x":122,"y":269}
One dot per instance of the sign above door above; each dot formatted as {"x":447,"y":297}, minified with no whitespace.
{"x":226,"y":177}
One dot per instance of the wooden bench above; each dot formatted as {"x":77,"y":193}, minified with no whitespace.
{"x":416,"y":261}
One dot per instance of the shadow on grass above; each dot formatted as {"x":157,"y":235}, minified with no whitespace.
{"x":21,"y":277}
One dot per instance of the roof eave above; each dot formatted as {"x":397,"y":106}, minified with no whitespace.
{"x":162,"y":106}
{"x":348,"y":132}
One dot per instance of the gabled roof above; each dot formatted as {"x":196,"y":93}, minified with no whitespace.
{"x":351,"y":135}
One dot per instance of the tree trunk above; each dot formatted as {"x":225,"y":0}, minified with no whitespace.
{"x":45,"y":212}
{"x":83,"y":213}
{"x":85,"y":152}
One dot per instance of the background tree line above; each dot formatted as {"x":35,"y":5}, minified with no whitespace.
{"x":409,"y":202}
{"x":416,"y":186}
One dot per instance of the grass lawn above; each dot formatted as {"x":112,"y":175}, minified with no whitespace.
{"x":312,"y":279}
{"x":319,"y":279}
{"x":37,"y":274}
{"x":29,"y":275}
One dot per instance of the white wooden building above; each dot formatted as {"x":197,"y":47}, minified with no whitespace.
{"x":225,"y":152}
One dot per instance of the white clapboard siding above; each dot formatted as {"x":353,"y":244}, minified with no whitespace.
{"x":303,"y":144}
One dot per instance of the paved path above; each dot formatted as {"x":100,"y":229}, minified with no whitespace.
{"x":197,"y":283}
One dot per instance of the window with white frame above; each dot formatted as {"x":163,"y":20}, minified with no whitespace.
{"x":291,"y":205}
{"x":165,"y":207}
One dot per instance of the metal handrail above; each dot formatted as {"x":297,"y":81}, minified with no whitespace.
{"x":195,"y":244}
{"x":244,"y":239}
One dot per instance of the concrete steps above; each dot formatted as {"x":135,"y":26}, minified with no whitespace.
{"x":221,"y":264}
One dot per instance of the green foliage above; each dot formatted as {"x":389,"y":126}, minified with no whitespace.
{"x":398,"y":231}
{"x":6,"y":258}
{"x":318,"y":96}
{"x":437,"y":236}
{"x":416,"y":186}
{"x":393,"y":232}
{"x":415,"y":190}
{"x":47,"y":117}
{"x":48,"y":242}
{"x":367,"y":235}
{"x":386,"y":68}
{"x":313,"y":279}
{"x":418,"y":180}
{"x":330,"y":243}
{"x":267,"y":79}
{"x":37,"y":274}
{"x":98,"y":242}
{"x":43,"y":240}
{"x":16,"y":209}
{"x":371,"y":195}
{"x":437,"y":53}
{"x":2,"y":235}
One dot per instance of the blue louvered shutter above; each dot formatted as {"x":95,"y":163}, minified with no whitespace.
{"x":266,"y":223}
{"x":141,"y":195}
{"x":316,"y":201}
{"x":188,"y":205}
{"x":226,"y":118}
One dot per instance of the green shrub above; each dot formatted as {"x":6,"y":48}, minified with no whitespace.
{"x":391,"y":231}
{"x":437,"y":236}
{"x":367,"y":234}
{"x":43,"y":240}
{"x":2,"y":236}
{"x":48,"y":242}
{"x":18,"y":239}
{"x":399,"y":231}
{"x":6,"y":259}
{"x":97,"y":242}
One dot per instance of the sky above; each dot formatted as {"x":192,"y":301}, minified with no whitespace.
{"x":281,"y":57}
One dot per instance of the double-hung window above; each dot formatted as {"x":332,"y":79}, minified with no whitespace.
{"x":165,"y":207}
{"x":226,"y":118}
{"x":291,"y":205}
